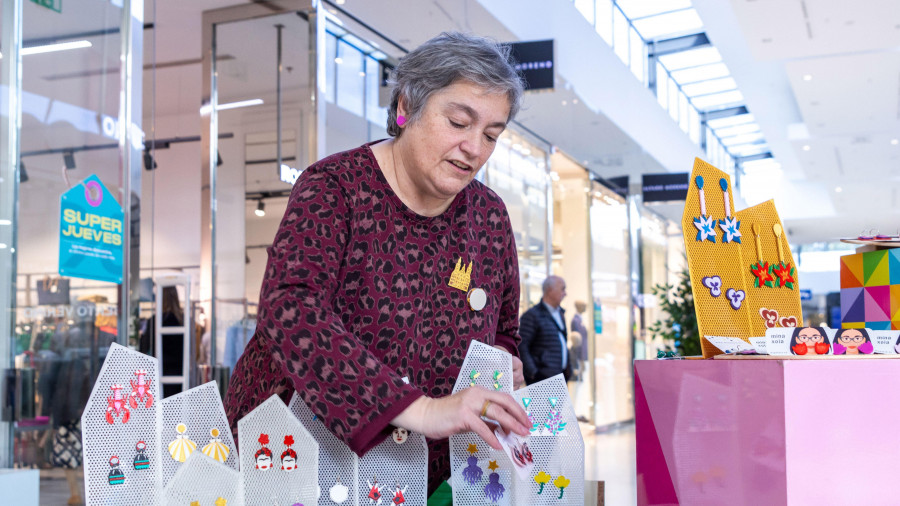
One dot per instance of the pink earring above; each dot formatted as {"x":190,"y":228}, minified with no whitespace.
{"x":401,"y":120}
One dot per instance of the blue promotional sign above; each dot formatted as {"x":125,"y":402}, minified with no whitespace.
{"x":598,"y":317}
{"x":805,"y":294}
{"x":90,"y":233}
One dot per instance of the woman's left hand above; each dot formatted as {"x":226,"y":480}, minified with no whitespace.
{"x":518,"y":370}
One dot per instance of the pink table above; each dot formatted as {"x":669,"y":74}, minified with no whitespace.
{"x":771,"y":432}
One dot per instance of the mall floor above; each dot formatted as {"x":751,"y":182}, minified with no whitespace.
{"x":608,"y":457}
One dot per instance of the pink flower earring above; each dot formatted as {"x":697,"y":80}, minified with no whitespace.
{"x":401,"y":120}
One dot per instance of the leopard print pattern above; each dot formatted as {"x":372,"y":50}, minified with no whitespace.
{"x":355,"y":297}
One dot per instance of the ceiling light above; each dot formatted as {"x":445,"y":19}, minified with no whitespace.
{"x":807,"y":77}
{"x":806,"y":147}
{"x":260,"y":209}
{"x":50,"y":48}
{"x":564,"y":102}
{"x":574,"y":100}
{"x":338,"y":60}
{"x":894,"y":142}
{"x":362,"y":73}
{"x":838,"y":189}
{"x":206,"y":109}
{"x":341,"y":2}
{"x":5,"y":222}
{"x":2,"y":246}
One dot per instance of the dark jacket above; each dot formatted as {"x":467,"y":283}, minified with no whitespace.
{"x":540,"y":347}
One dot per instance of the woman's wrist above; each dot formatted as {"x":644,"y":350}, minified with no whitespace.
{"x":412,"y":417}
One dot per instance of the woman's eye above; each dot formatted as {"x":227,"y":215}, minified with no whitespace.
{"x":456,"y":125}
{"x":491,"y":139}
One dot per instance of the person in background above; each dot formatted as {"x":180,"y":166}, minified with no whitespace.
{"x":544,"y":350}
{"x":579,"y":350}
{"x":390,"y":260}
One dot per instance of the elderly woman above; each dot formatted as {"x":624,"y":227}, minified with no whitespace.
{"x":357,"y":294}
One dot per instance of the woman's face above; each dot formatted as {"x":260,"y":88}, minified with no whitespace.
{"x":400,"y":435}
{"x":851,"y":339}
{"x":452,"y":139}
{"x":810,"y":336}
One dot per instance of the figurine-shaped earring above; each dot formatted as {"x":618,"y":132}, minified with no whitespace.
{"x":116,"y":476}
{"x":289,"y":456}
{"x":140,"y":459}
{"x":263,"y":456}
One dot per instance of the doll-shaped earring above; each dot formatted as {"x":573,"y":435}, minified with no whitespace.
{"x":140,"y":459}
{"x":289,"y":456}
{"x":398,"y":498}
{"x":472,"y":473}
{"x":116,"y":476}
{"x":263,"y":456}
{"x":374,"y":495}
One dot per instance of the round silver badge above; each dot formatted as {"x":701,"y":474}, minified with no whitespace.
{"x":477,"y":299}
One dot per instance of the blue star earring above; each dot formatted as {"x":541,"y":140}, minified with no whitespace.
{"x":706,"y":226}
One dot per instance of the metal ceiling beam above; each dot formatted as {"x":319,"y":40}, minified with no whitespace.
{"x":724,"y":113}
{"x":678,"y":44}
{"x":753,"y":158}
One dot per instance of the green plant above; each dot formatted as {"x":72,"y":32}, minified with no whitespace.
{"x":679,"y":325}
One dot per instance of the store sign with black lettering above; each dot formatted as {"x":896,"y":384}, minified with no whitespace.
{"x":665,"y":187}
{"x":90,"y":233}
{"x":535,"y":61}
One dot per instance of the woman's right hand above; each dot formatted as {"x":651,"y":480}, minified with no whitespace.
{"x":461,"y":412}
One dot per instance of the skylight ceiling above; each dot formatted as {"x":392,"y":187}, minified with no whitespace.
{"x":699,"y":72}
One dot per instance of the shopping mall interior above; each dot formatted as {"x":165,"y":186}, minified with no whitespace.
{"x":199,"y":116}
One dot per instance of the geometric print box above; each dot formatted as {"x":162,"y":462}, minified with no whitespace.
{"x":870,"y":290}
{"x":120,"y":437}
{"x":279,"y":457}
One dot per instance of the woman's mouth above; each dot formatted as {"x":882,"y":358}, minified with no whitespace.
{"x":460,"y":166}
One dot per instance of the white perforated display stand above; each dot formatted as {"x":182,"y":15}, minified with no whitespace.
{"x":102,"y":440}
{"x":205,"y":481}
{"x":337,"y":462}
{"x":485,"y":360}
{"x":396,"y":467}
{"x":275,"y":486}
{"x":200,"y":412}
{"x":556,"y":455}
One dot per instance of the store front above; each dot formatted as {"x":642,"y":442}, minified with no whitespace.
{"x":202,"y":185}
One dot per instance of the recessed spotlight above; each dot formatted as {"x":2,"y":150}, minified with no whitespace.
{"x":838,"y":189}
{"x":564,"y":102}
{"x":574,"y":100}
{"x":806,"y":147}
{"x":338,"y":60}
{"x":807,"y":77}
{"x":894,"y":142}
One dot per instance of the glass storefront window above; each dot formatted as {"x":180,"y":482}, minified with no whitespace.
{"x":350,"y":78}
{"x":74,"y":124}
{"x":610,"y":307}
{"x":517,"y":171}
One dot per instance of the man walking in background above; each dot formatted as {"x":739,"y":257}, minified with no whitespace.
{"x":543,"y":348}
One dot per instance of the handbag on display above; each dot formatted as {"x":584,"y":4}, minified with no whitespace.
{"x":53,"y":291}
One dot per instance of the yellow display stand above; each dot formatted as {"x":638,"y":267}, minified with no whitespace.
{"x":722,"y":245}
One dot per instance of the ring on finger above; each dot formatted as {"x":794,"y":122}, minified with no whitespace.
{"x":484,"y":408}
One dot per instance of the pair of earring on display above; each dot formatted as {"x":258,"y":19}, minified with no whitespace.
{"x":117,"y":403}
{"x":780,"y":275}
{"x":474,"y":375}
{"x":141,"y":462}
{"x":263,"y":456}
{"x":706,"y":225}
{"x":375,"y":493}
{"x":561,"y":482}
{"x":182,"y":446}
{"x":714,"y":285}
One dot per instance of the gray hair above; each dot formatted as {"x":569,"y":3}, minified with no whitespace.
{"x":445,"y":59}
{"x":551,"y":282}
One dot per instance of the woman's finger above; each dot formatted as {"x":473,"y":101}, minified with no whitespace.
{"x":510,"y":405}
{"x":506,"y":420}
{"x":480,"y":427}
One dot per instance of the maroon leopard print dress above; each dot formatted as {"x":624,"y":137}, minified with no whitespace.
{"x":355,"y":297}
